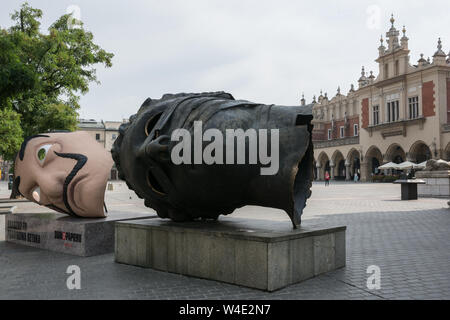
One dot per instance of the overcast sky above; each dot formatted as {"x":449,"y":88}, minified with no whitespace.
{"x":263,"y":51}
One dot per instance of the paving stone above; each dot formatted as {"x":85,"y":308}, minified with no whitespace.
{"x":408,"y":240}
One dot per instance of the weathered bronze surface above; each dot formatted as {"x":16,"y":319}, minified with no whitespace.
{"x":437,"y":165}
{"x":142,"y":154}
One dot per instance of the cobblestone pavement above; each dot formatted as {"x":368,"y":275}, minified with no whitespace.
{"x":408,"y":240}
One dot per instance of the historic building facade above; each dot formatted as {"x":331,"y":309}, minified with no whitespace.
{"x":105,"y":132}
{"x":401,"y":114}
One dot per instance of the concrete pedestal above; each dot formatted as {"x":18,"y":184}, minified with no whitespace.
{"x":266,"y":255}
{"x":58,"y":232}
{"x":437,"y":184}
{"x":5,"y":201}
{"x":4,"y":210}
{"x":409,"y":188}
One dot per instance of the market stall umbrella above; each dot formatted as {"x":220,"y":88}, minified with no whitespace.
{"x":421,"y":165}
{"x":389,"y":165}
{"x":406,"y":165}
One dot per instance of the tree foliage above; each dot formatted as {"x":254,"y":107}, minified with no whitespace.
{"x":43,"y":74}
{"x":10,"y":133}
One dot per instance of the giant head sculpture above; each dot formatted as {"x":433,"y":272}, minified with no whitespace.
{"x":65,"y":171}
{"x":205,"y":154}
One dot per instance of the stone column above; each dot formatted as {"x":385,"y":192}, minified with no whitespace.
{"x":347,"y":171}
{"x":319,"y":172}
{"x":364,"y":174}
{"x":332,"y":165}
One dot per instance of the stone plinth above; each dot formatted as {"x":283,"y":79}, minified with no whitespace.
{"x":266,"y":255}
{"x":437,"y":184}
{"x":409,"y":188}
{"x":58,"y":232}
{"x":4,"y":210}
{"x":7,"y":200}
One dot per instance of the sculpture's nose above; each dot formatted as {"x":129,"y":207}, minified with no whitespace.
{"x":156,"y":149}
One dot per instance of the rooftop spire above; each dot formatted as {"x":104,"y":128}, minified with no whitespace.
{"x":392,"y":36}
{"x":362,"y":81}
{"x":439,"y":51}
{"x":404,"y":39}
{"x":422,"y":60}
{"x":381,"y":48}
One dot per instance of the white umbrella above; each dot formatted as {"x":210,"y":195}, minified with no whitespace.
{"x":421,"y":165}
{"x":389,"y":165}
{"x":406,"y":165}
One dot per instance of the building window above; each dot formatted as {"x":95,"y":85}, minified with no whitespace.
{"x":97,"y":136}
{"x":341,"y":129}
{"x":386,"y":71}
{"x":329,"y":134}
{"x":376,"y":115}
{"x":355,"y":130}
{"x":413,"y":103}
{"x":392,"y":111}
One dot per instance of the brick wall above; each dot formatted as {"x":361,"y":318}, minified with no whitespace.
{"x":365,"y":112}
{"x":352,"y":121}
{"x":318,"y":135}
{"x":322,"y":135}
{"x":428,"y":99}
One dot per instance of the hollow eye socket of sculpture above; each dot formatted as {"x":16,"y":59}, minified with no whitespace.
{"x":154,"y":184}
{"x":41,"y":153}
{"x":151,"y":123}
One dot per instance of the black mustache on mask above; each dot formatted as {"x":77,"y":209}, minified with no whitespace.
{"x":81,"y":161}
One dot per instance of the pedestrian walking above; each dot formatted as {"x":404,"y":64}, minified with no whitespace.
{"x":355,"y":178}
{"x":327,"y":178}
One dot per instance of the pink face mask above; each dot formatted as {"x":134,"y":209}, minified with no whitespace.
{"x":66,"y":172}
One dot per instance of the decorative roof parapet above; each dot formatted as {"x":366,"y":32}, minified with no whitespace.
{"x":439,"y":57}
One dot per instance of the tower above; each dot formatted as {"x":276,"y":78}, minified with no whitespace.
{"x":392,"y":37}
{"x":394,"y":60}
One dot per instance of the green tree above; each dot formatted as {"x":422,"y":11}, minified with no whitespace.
{"x":10,"y":133}
{"x":43,"y":74}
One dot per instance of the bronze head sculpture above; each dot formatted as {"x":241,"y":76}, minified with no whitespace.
{"x":183,"y":177}
{"x":65,"y":171}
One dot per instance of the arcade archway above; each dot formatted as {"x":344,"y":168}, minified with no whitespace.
{"x":339,"y":165}
{"x":447,"y":152}
{"x":323,"y":165}
{"x":395,"y":153}
{"x":419,"y":152}
{"x":373,"y":159}
{"x":354,"y":161}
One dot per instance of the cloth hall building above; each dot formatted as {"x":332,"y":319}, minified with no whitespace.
{"x":403,"y":114}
